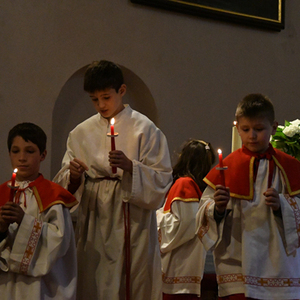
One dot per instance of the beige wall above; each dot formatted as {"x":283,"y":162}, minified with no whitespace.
{"x":193,"y":70}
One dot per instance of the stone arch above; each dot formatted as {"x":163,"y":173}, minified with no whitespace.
{"x":73,"y":106}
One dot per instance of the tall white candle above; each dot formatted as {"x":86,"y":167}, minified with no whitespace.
{"x":236,"y":141}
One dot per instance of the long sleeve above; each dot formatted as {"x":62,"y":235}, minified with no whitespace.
{"x":37,"y":244}
{"x":152,"y":173}
{"x":290,"y":208}
{"x":178,"y":227}
{"x":63,"y":179}
{"x":209,"y":232}
{"x":177,"y":219}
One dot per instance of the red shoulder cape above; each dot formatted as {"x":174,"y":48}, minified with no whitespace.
{"x":46,"y":192}
{"x":184,"y":189}
{"x":239,"y":175}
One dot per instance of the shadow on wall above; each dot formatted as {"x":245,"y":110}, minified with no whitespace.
{"x":73,"y":106}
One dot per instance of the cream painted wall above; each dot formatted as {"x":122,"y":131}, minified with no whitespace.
{"x":196,"y":69}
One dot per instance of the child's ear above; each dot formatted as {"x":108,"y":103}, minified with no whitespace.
{"x":43,"y":155}
{"x":274,"y":127}
{"x":122,"y":89}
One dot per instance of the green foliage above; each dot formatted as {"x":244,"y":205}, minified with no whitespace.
{"x":288,"y":144}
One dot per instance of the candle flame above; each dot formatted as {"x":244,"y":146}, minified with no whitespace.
{"x":112,"y":121}
{"x":15,"y":170}
{"x":219,"y":151}
{"x":234,"y":123}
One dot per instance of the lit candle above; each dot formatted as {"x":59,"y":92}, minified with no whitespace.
{"x":220,"y":158}
{"x":221,"y":168}
{"x":112,"y":127}
{"x":112,"y":132}
{"x":113,"y":145}
{"x":12,"y":184}
{"x":236,"y":141}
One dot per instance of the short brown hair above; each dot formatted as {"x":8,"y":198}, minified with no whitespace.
{"x":29,"y":132}
{"x":255,"y":105}
{"x":101,"y":75}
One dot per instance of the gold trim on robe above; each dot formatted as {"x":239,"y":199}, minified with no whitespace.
{"x":239,"y":176}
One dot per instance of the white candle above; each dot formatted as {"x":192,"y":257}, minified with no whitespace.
{"x":236,"y":141}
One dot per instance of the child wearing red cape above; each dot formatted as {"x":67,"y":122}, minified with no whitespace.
{"x":253,"y":223}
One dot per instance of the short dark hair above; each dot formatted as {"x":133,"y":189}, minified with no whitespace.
{"x":255,"y":105}
{"x":195,"y":161}
{"x":29,"y":132}
{"x":101,"y":75}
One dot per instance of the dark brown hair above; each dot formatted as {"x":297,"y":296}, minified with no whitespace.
{"x":195,"y":161}
{"x":101,"y":75}
{"x":29,"y":132}
{"x":255,"y":105}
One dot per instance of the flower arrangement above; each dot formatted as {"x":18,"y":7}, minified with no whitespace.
{"x":287,"y":138}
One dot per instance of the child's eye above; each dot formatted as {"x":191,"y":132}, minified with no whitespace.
{"x":106,"y":98}
{"x":14,"y":151}
{"x":94,"y":99}
{"x":30,"y":150}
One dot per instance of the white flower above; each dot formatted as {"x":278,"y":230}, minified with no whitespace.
{"x":287,"y":138}
{"x":295,"y":122}
{"x":291,"y":130}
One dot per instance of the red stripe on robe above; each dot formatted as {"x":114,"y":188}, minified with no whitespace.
{"x":47,"y":193}
{"x":184,"y":189}
{"x":239,"y":175}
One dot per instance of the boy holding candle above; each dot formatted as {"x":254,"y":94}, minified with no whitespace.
{"x":117,"y":244}
{"x":37,"y":244}
{"x":253,"y":223}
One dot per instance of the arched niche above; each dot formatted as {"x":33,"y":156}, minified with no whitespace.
{"x":73,"y":106}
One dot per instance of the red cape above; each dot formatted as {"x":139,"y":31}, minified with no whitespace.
{"x":184,"y":189}
{"x":239,"y":175}
{"x":47,"y":193}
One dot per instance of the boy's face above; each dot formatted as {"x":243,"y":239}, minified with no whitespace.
{"x":26,"y":157}
{"x":108,"y":102}
{"x":255,"y":133}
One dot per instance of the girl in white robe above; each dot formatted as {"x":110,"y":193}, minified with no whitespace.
{"x":182,"y":253}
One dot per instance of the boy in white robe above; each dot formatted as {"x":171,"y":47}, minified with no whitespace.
{"x":118,"y":252}
{"x":37,"y":244}
{"x":253,"y":223}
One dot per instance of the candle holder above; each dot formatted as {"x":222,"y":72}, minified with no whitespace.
{"x":222,"y":174}
{"x":221,"y":169}
{"x":13,"y":190}
{"x":13,"y":187}
{"x":112,"y":135}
